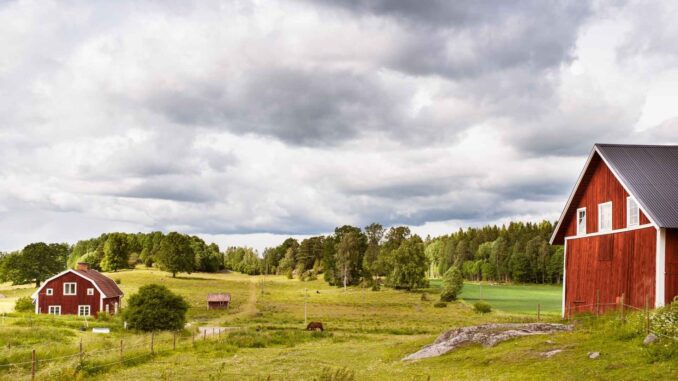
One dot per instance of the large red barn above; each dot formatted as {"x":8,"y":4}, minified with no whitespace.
{"x":620,"y":229}
{"x":82,"y":292}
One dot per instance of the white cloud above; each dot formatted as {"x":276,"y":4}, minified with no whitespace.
{"x":248,"y":121}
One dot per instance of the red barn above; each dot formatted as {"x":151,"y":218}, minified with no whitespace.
{"x":620,"y":229}
{"x":82,"y":292}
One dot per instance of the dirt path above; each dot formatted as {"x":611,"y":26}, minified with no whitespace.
{"x":249,"y":308}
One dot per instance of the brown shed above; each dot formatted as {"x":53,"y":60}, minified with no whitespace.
{"x":217,"y":301}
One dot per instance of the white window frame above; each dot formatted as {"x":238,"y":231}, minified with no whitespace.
{"x":90,"y":291}
{"x":629,"y":221}
{"x":579,"y":230}
{"x":49,"y":291}
{"x":88,"y":307}
{"x":54,"y":310}
{"x":75,"y":288}
{"x":600,"y":217}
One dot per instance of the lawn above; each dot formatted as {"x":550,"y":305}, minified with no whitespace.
{"x":367,"y":333}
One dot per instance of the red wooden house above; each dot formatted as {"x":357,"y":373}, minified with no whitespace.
{"x":82,"y":292}
{"x":620,"y":229}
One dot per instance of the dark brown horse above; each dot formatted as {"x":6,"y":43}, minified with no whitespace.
{"x":315,"y":326}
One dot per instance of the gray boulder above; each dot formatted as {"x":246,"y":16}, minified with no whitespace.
{"x":649,"y":339}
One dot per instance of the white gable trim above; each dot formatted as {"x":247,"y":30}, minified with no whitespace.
{"x":660,"y":269}
{"x":569,"y":199}
{"x":37,"y":292}
{"x":581,"y":177}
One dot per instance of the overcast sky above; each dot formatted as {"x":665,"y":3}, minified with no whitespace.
{"x":248,"y":121}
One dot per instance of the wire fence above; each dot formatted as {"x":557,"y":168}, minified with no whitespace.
{"x":85,"y":360}
{"x":598,"y":309}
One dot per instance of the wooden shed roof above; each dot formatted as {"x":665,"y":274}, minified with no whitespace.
{"x":219,"y":297}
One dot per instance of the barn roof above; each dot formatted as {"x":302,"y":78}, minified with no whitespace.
{"x":648,"y":172}
{"x":106,"y":285}
{"x":225,"y":297}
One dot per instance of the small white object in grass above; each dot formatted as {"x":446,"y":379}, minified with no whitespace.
{"x":101,"y":330}
{"x":594,"y":355}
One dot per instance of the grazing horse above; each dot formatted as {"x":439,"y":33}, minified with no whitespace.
{"x":315,"y":325}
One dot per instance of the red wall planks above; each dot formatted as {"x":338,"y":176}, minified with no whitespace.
{"x":613,"y":264}
{"x":597,"y":187}
{"x":671,"y":286}
{"x":69,"y":303}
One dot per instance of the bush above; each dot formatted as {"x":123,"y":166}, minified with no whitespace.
{"x":482,"y":307}
{"x":154,"y":308}
{"x":440,"y":305}
{"x":424,"y":297}
{"x":118,"y":281}
{"x":453,"y":282}
{"x":24,"y":304}
{"x":665,"y":320}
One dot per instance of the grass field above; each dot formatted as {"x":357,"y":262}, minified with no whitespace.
{"x":520,"y":299}
{"x":367,"y":332}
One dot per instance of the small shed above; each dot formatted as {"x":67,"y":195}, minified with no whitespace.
{"x":218,"y":300}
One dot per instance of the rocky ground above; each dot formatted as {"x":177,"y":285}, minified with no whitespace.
{"x":486,"y":335}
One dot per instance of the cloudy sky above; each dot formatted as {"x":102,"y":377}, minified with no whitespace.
{"x":248,"y":121}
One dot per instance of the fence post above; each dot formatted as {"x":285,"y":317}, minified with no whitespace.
{"x":152,"y":335}
{"x":204,"y":334}
{"x":81,"y":352}
{"x":538,"y":311}
{"x":597,"y":302}
{"x":622,"y":307}
{"x":33,"y":364}
{"x":121,"y":356}
{"x":174,"y":340}
{"x":193,"y":340}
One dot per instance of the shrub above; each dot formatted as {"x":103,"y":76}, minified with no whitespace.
{"x":155,"y":307}
{"x":118,"y":280}
{"x":482,"y":307}
{"x":24,"y":304}
{"x":424,"y":297}
{"x":453,"y":282}
{"x":440,"y":305}
{"x":665,"y":320}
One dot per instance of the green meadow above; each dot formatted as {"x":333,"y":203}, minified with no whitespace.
{"x":367,"y":334}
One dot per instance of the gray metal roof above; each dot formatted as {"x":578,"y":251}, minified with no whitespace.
{"x":650,"y":174}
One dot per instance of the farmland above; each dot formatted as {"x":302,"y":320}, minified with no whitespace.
{"x":367,"y":333}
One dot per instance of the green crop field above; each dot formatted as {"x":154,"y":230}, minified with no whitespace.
{"x":520,"y":299}
{"x":367,"y":334}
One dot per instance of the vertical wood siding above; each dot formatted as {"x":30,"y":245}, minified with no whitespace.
{"x":598,"y":186}
{"x":613,"y":264}
{"x":671,"y":286}
{"x":69,"y":303}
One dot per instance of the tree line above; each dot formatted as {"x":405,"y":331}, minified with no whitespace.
{"x":517,"y":252}
{"x":371,"y":257}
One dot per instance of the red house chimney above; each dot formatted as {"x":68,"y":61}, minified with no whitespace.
{"x":82,"y":266}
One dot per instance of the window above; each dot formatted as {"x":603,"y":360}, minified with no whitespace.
{"x":70,"y":288}
{"x":605,"y":217}
{"x":54,"y":310}
{"x":83,"y":310}
{"x":632,"y":212}
{"x":581,"y":221}
{"x":49,"y":291}
{"x":90,"y":291}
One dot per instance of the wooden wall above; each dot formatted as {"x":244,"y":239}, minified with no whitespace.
{"x":613,"y":264}
{"x":598,"y":185}
{"x":601,"y":186}
{"x":69,"y":303}
{"x":671,"y":286}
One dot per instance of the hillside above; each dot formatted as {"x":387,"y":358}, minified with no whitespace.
{"x":367,"y":333}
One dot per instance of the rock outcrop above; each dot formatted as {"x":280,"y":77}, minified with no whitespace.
{"x":486,"y":335}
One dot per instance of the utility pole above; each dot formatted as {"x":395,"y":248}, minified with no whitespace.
{"x":305,"y":308}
